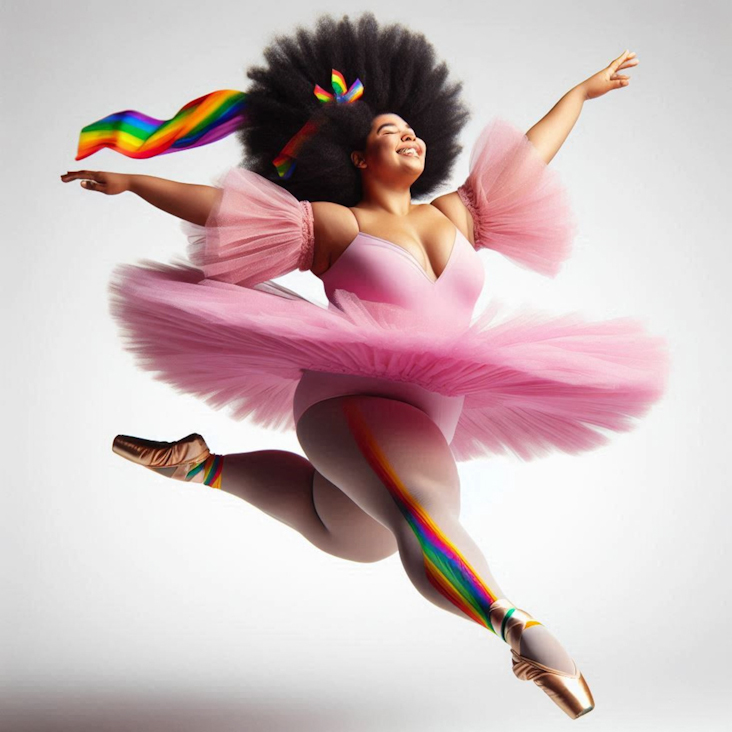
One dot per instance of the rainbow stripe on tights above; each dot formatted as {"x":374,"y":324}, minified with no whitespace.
{"x":447,"y":570}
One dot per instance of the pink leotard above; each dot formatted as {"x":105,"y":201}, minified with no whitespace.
{"x":380,"y":271}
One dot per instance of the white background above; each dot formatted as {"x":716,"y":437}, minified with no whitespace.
{"x":132,"y":602}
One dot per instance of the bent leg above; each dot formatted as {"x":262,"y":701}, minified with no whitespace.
{"x":393,"y":461}
{"x":281,"y":484}
{"x":287,"y":487}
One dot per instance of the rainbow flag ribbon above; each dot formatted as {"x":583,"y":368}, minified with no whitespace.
{"x":285,"y":161}
{"x":200,"y":122}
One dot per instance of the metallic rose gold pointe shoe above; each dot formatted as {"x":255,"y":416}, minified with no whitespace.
{"x":568,"y":691}
{"x":173,"y":459}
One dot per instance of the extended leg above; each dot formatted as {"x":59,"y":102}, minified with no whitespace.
{"x":393,"y":461}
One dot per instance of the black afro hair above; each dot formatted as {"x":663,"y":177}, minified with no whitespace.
{"x":400,"y":75}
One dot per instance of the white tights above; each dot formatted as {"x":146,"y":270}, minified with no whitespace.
{"x":341,"y":501}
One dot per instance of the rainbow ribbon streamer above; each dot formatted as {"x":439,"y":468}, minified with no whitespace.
{"x":285,"y":161}
{"x":201,"y":122}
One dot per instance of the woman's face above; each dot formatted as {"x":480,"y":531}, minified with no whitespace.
{"x":393,"y":150}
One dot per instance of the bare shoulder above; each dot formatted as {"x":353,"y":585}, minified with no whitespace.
{"x":334,"y":227}
{"x":451,"y":205}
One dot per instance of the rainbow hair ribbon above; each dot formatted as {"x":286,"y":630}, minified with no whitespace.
{"x":202,"y":121}
{"x":285,"y":161}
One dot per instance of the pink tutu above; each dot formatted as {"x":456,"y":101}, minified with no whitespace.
{"x":531,"y":383}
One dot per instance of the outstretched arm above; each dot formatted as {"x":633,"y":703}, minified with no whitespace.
{"x":245,"y":230}
{"x":546,"y":137}
{"x":187,"y":201}
{"x":550,"y":132}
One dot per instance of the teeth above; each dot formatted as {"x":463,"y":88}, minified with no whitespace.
{"x":407,"y":151}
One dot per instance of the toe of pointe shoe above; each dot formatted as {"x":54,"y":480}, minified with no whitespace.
{"x":152,"y":454}
{"x":568,"y":691}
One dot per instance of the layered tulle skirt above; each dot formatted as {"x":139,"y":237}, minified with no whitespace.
{"x":532,"y":383}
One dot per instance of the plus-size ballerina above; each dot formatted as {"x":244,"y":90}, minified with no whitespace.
{"x":394,"y":381}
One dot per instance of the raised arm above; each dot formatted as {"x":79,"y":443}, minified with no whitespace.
{"x":187,"y":201}
{"x":511,"y":201}
{"x":550,"y":132}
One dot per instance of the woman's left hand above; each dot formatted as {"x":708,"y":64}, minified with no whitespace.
{"x":609,"y":78}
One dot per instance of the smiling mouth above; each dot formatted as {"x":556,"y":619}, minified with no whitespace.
{"x":409,"y":152}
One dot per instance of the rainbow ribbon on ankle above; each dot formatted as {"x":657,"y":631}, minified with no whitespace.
{"x":200,"y":122}
{"x":285,"y":161}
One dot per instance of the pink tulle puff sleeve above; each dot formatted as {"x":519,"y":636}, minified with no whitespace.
{"x":256,"y":231}
{"x":519,"y":206}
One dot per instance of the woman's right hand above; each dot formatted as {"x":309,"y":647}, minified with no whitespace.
{"x":98,"y":180}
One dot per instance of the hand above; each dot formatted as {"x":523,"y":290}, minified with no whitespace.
{"x":607,"y":79}
{"x":98,"y":180}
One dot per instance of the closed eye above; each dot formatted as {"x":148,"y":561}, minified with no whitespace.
{"x":391,"y":124}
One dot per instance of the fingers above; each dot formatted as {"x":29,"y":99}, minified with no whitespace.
{"x":615,"y":63}
{"x":627,"y":58}
{"x":91,"y":179}
{"x":628,"y":63}
{"x":71,"y":174}
{"x":81,"y":174}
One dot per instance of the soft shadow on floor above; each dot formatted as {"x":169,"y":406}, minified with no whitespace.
{"x":129,"y":711}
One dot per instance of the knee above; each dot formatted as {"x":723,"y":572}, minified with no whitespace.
{"x":365,"y":544}
{"x":368,"y":545}
{"x":376,"y":555}
{"x":360,"y":557}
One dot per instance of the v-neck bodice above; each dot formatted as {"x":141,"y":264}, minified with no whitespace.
{"x":378,"y":270}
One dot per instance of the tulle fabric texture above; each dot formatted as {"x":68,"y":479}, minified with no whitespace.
{"x":533,"y":383}
{"x":256,"y":231}
{"x":519,"y":206}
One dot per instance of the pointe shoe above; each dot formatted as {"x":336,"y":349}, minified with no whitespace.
{"x":568,"y":691}
{"x":181,"y":460}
